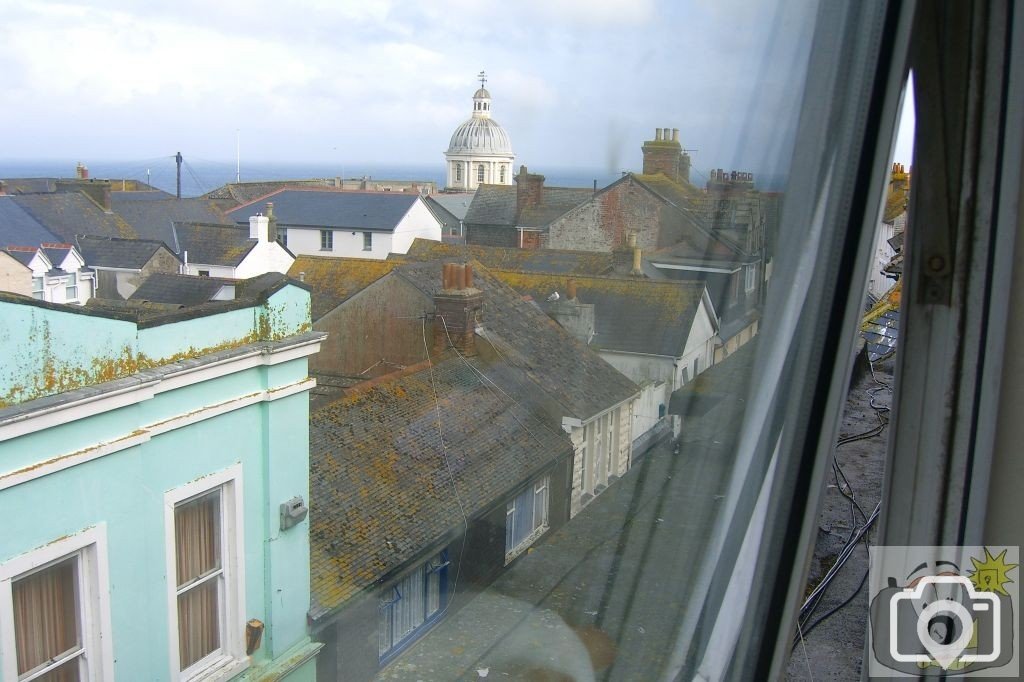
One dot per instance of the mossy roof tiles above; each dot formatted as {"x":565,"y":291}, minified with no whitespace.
{"x":383,"y":479}
{"x":334,"y":280}
{"x":631,"y":314}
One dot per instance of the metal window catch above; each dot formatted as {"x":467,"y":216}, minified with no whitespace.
{"x":293,"y":512}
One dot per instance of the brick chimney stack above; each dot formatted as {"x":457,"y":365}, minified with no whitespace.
{"x":271,"y":223}
{"x":664,"y":154}
{"x":530,"y":187}
{"x":456,"y":308}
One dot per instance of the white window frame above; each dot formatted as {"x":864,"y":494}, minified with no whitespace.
{"x":540,"y":485}
{"x":327,"y":237}
{"x":367,"y":241}
{"x":751,"y":278}
{"x":71,"y":287}
{"x":93,"y":593}
{"x":230,"y":659}
{"x":38,"y":288}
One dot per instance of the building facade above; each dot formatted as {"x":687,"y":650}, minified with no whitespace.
{"x":154,"y":473}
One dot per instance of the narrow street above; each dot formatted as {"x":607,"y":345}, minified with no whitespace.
{"x":601,"y":597}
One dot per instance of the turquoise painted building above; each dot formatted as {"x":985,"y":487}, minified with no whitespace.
{"x":154,"y":478}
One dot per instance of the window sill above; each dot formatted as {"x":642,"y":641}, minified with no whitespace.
{"x":525,"y":544}
{"x":327,"y":250}
{"x":221,"y":668}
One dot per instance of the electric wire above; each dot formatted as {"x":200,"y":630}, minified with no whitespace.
{"x":448,"y":466}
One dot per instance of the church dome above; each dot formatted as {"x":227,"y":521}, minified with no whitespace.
{"x":480,"y":135}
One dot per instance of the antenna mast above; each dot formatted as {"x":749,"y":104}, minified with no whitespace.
{"x":238,"y":157}
{"x":177,"y":160}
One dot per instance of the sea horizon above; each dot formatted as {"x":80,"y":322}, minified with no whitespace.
{"x":201,"y":176}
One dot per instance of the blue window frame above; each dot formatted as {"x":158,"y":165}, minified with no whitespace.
{"x":411,"y":605}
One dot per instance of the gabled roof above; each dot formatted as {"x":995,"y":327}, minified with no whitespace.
{"x":152,"y":218}
{"x":354,"y":210}
{"x":213,"y":244}
{"x":184,"y":290}
{"x":25,"y":254}
{"x":496,"y":205}
{"x":334,"y":280}
{"x":19,"y":228}
{"x":56,"y":252}
{"x":443,"y":215}
{"x":633,"y":315}
{"x":111,"y":252}
{"x":554,"y":362}
{"x":525,"y":260}
{"x":67,"y":214}
{"x":381,"y":489}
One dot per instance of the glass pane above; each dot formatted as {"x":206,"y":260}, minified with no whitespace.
{"x":68,"y":671}
{"x":198,"y":622}
{"x":46,"y":614}
{"x":197,"y":537}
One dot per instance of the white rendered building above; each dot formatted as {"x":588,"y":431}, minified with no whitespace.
{"x":480,"y":151}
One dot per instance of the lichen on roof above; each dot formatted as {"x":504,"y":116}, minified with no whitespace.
{"x":335,"y":280}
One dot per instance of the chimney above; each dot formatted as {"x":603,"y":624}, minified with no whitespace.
{"x":97,"y":190}
{"x":530,"y":187}
{"x":636,"y":271}
{"x":456,"y":308}
{"x":271,"y":223}
{"x":259,"y":226}
{"x":662,"y":154}
{"x":575,"y":317}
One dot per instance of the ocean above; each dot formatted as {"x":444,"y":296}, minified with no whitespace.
{"x":201,"y":176}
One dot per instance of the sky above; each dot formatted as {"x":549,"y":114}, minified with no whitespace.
{"x":575,"y":83}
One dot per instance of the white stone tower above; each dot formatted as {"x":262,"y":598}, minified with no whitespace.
{"x":480,"y":151}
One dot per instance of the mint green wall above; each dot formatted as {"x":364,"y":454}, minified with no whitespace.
{"x":50,"y":351}
{"x":125,"y":490}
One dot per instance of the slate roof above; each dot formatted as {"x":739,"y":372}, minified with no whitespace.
{"x":111,"y":252}
{"x":381,"y":489}
{"x":19,"y":228}
{"x":22,"y":254}
{"x":881,"y":325}
{"x":141,"y":195}
{"x":246,"y":192}
{"x":455,"y":203}
{"x":213,"y":244}
{"x":496,"y":205}
{"x":631,"y":314}
{"x":353,"y":210}
{"x":186,"y":290}
{"x":334,"y":280}
{"x":30,"y":185}
{"x":729,"y":378}
{"x":67,"y":214}
{"x":525,"y":260}
{"x":56,"y":252}
{"x":447,"y":219}
{"x":153,"y":218}
{"x":564,"y":369}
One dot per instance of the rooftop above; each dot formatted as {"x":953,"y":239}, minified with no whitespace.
{"x":344,"y":209}
{"x":335,"y":280}
{"x":113,"y":252}
{"x":496,"y":205}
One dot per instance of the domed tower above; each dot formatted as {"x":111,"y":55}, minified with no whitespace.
{"x":480,"y":151}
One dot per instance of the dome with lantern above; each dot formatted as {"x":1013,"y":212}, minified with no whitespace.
{"x":480,"y":151}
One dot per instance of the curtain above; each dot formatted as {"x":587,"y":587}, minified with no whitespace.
{"x":198,"y":553}
{"x":46,"y":619}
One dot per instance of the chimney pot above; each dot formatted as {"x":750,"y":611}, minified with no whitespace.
{"x":469,"y":275}
{"x":657,"y":134}
{"x":570,"y":289}
{"x":460,"y":277}
{"x":675,"y":134}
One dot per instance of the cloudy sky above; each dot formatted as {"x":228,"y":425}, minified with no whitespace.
{"x":576,"y":83}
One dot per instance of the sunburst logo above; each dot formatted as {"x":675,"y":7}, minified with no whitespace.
{"x":990,"y":573}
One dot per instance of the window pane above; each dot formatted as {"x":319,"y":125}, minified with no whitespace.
{"x":197,"y":537}
{"x":69,"y":671}
{"x":46,"y":615}
{"x":198,"y":622}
